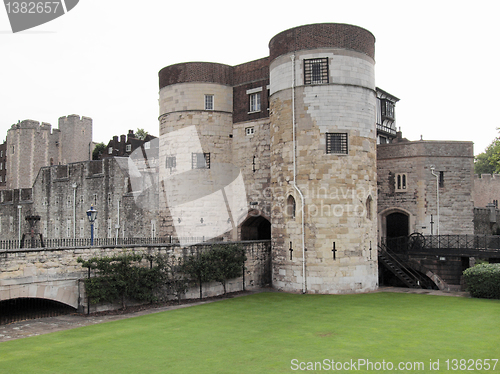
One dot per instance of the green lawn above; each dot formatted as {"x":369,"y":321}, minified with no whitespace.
{"x":263,"y":333}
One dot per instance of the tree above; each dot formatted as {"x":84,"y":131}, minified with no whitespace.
{"x":226,"y":262}
{"x":488,"y":162}
{"x":141,"y":134}
{"x":98,"y":151}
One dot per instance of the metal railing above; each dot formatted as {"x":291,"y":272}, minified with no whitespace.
{"x":98,"y":242}
{"x":407,"y":244}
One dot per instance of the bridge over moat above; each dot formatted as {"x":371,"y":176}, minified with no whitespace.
{"x":435,"y":261}
{"x":55,"y":274}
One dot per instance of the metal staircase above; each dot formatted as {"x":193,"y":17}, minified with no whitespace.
{"x":396,"y":265}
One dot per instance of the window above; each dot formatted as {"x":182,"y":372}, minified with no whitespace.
{"x":249,"y":131}
{"x":200,"y":161}
{"x":209,"y":102}
{"x":316,"y":71}
{"x":441,"y":179}
{"x":128,"y":148}
{"x":336,"y":143}
{"x":387,"y":108}
{"x":147,"y":145}
{"x":170,"y":162}
{"x":290,"y":206}
{"x":110,"y":150}
{"x":255,"y":102}
{"x":401,"y":182}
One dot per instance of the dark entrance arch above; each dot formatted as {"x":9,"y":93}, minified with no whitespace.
{"x":396,"y":225}
{"x":256,"y":228}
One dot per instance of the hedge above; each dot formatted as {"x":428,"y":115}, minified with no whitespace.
{"x":483,"y":281}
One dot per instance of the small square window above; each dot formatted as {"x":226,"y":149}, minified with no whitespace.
{"x":147,"y":145}
{"x":336,"y":143}
{"x":401,"y":182}
{"x":200,"y":161}
{"x":255,"y":102}
{"x":316,"y":71}
{"x":129,"y":148}
{"x":209,"y":102}
{"x":110,"y":150}
{"x":170,"y":162}
{"x":249,"y":131}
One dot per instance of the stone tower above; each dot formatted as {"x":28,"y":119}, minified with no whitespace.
{"x":323,"y":159}
{"x":31,"y":145}
{"x":198,"y":183}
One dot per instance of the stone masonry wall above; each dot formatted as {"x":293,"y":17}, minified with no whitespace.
{"x":419,"y":199}
{"x":54,"y":273}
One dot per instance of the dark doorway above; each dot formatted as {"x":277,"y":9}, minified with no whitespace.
{"x":396,"y":225}
{"x":256,"y":228}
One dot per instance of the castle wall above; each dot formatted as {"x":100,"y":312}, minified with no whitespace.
{"x":486,"y":190}
{"x":419,"y":197}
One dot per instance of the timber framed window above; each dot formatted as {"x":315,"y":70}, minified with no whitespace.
{"x":316,"y":71}
{"x":200,"y":161}
{"x":336,"y":143}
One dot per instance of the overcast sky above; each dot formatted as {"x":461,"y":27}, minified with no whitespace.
{"x":102,"y":58}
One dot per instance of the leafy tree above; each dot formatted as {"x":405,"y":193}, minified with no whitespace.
{"x":98,"y":151}
{"x":226,"y":262}
{"x":141,"y":134}
{"x":488,"y":162}
{"x":121,"y":278}
{"x":197,"y":268}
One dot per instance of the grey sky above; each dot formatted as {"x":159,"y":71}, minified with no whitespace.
{"x":102,"y":59}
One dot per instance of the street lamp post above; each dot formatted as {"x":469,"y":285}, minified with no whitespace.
{"x":92,"y":215}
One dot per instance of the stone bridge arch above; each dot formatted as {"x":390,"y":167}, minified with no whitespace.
{"x":64,"y":291}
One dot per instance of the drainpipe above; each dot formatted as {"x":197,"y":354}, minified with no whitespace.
{"x":118,"y":223}
{"x":74,"y":210}
{"x":437,"y":196}
{"x":19,"y":207}
{"x":304,"y":276}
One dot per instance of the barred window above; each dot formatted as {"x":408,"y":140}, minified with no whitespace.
{"x":316,"y":71}
{"x":170,"y":162}
{"x":336,"y":142}
{"x":209,"y":102}
{"x":200,"y":161}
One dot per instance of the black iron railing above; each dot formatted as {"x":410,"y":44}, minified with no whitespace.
{"x":418,"y":242}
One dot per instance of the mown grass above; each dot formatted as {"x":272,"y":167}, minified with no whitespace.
{"x":263,"y":333}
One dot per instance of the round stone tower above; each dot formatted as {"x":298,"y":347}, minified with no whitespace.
{"x":323,"y":159}
{"x":199,"y":186}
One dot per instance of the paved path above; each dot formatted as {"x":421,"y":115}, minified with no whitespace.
{"x":47,"y":325}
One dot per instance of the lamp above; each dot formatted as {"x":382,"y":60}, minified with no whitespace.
{"x":92,"y":216}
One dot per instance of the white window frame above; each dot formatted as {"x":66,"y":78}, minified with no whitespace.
{"x":110,"y":150}
{"x":249,"y":131}
{"x":209,"y":102}
{"x":128,"y":148}
{"x":255,"y":99}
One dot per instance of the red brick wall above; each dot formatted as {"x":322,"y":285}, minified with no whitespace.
{"x":320,"y":36}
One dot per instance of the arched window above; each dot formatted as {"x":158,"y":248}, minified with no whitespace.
{"x":290,"y":206}
{"x":369,"y":204}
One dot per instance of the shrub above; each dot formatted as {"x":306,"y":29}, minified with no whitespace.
{"x":483,"y":281}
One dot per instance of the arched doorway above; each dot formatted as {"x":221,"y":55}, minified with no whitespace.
{"x":256,"y":228}
{"x":397,"y":224}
